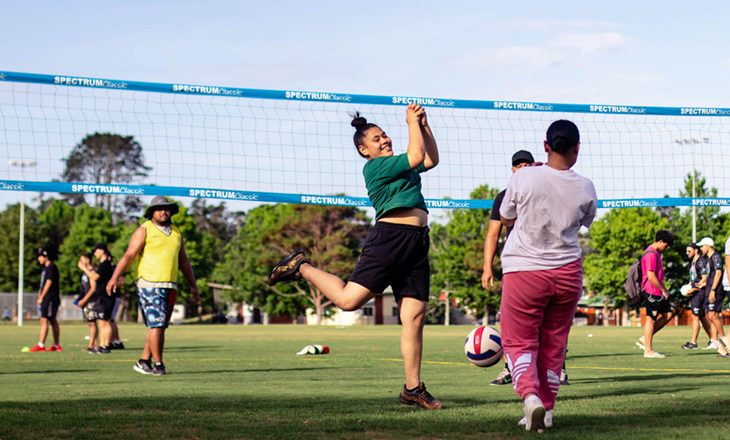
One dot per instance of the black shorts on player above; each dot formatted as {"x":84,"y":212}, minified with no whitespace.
{"x":395,"y":255}
{"x":715,"y":306}
{"x":698,"y":304}
{"x":656,"y":305}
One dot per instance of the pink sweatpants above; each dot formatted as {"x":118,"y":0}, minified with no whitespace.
{"x":537,"y":312}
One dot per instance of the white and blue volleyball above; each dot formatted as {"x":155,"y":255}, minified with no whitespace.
{"x":483,"y":346}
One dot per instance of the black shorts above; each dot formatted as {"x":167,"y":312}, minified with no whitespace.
{"x":719,"y":299}
{"x":655,"y":305}
{"x":49,"y":308}
{"x":395,"y":255}
{"x":105,"y":307}
{"x":698,"y":304}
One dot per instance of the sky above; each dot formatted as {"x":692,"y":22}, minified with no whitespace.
{"x":649,"y":53}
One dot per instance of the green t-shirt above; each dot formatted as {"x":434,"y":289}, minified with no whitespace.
{"x":392,"y":184}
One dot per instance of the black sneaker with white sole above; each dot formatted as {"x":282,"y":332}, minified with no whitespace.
{"x":143,"y":366}
{"x":159,"y":369}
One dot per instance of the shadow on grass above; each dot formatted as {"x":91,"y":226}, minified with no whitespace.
{"x":315,"y":417}
{"x":645,"y":377}
{"x":74,"y":370}
{"x":201,"y":348}
{"x":252,"y":370}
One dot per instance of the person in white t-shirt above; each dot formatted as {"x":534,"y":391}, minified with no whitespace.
{"x":543,"y":270}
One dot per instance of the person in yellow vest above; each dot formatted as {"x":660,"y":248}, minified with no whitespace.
{"x":161,"y":251}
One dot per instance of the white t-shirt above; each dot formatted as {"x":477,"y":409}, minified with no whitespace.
{"x":549,"y":206}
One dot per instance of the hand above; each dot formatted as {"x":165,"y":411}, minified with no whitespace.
{"x":81,"y":303}
{"x":414,"y":113}
{"x":424,"y":121}
{"x":196,"y":295}
{"x":81,"y":265}
{"x":40,"y":300}
{"x":111,"y":286}
{"x":487,"y":279}
{"x":711,"y":297}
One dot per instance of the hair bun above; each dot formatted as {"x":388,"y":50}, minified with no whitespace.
{"x":358,"y":121}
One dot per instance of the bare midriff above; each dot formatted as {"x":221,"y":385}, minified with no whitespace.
{"x":406,"y":216}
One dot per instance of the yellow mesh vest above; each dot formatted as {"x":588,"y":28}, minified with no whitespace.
{"x":158,"y":260}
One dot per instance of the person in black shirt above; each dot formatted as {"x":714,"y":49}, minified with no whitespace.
{"x":105,"y":301}
{"x":48,"y":300}
{"x":697,"y":280}
{"x":87,"y":301}
{"x":714,"y":293}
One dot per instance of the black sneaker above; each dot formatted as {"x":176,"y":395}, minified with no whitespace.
{"x":91,"y":350}
{"x":288,"y":268}
{"x":503,"y":378}
{"x":103,"y":350}
{"x":690,"y":346}
{"x":159,"y":369}
{"x":564,"y":377}
{"x":143,"y":366}
{"x":419,"y":397}
{"x":117,"y":346}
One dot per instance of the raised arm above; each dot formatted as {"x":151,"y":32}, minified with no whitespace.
{"x":89,"y":273}
{"x":416,"y":143}
{"x":432,"y":151}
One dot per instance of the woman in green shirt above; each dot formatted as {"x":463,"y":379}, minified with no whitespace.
{"x":395,"y":252}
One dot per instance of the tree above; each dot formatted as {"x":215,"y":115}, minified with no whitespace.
{"x":242,"y":269}
{"x":91,"y":225}
{"x":709,"y":218}
{"x":203,"y":252}
{"x":457,"y":255}
{"x":56,"y":219}
{"x":9,"y":247}
{"x":617,"y":239}
{"x":105,"y":158}
{"x":215,"y":220}
{"x":330,"y":235}
{"x":128,"y":290}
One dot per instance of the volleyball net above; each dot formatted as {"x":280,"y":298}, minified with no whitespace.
{"x":296,"y":147}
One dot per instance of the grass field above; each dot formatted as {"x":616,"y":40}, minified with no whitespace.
{"x":247,"y":382}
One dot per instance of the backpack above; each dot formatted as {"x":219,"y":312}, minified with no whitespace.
{"x":633,"y":284}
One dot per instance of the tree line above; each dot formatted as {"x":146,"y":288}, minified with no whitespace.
{"x":239,"y":248}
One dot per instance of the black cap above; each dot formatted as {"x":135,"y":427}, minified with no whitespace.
{"x":522,"y":156}
{"x":42,"y":252}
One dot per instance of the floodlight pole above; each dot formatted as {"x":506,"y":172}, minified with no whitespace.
{"x":692,"y":142}
{"x":694,"y":194}
{"x":21,"y":245}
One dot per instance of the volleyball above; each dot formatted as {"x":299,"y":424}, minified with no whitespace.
{"x":483,"y":346}
{"x":684,"y":290}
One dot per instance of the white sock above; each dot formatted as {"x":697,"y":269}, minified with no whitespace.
{"x":532,"y":398}
{"x":41,"y":344}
